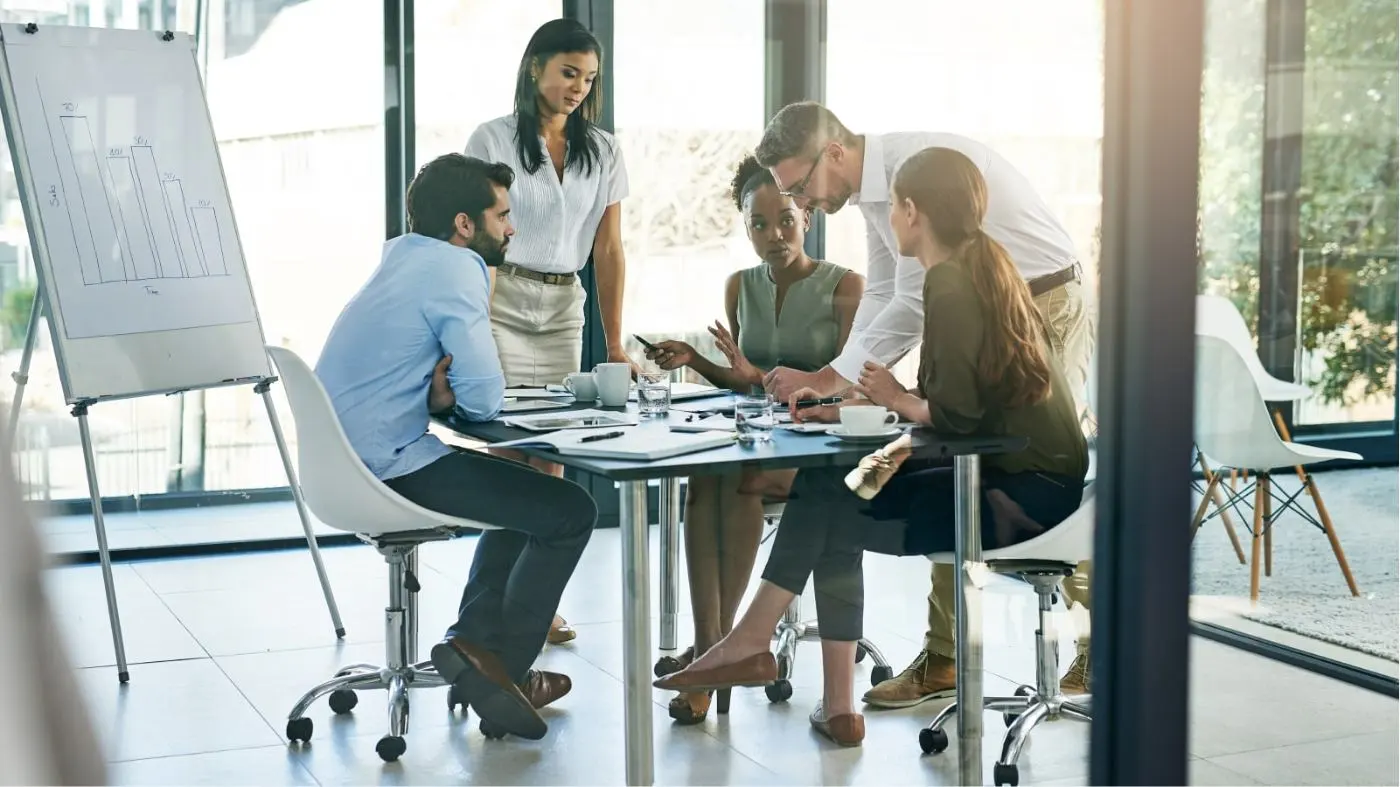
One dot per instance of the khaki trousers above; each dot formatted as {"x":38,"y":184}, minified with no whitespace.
{"x":1072,"y":324}
{"x":538,"y":329}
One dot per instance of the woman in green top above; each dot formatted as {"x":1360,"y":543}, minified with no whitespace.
{"x":986,"y":369}
{"x":788,"y":310}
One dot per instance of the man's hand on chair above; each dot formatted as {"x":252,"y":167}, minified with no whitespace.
{"x":440,"y":396}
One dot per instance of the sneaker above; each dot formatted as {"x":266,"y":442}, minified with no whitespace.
{"x":876,"y":469}
{"x":1076,"y":681}
{"x":929,"y":677}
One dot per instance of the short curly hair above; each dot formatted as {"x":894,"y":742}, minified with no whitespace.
{"x":749,"y":176}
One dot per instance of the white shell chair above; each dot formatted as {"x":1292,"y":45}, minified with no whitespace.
{"x":1217,"y":316}
{"x":344,"y":494}
{"x":1236,"y":431}
{"x":1042,"y":562}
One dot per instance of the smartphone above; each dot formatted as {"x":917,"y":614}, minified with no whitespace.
{"x":644,"y":342}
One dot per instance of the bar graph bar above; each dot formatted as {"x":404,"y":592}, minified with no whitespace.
{"x":211,"y":240}
{"x":179,"y":215}
{"x":140,"y":242}
{"x":97,"y":231}
{"x":158,"y":218}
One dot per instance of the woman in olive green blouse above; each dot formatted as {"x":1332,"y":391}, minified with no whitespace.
{"x":986,"y":368}
{"x":788,"y":310}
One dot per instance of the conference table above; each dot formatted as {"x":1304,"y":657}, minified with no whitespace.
{"x":787,"y":450}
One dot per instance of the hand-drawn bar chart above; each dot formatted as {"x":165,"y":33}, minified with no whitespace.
{"x":132,"y":221}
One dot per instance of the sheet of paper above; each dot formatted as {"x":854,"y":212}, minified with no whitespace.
{"x":714,"y":423}
{"x":537,"y":393}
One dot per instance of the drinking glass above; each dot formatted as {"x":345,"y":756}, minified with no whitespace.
{"x":753,"y":419}
{"x":654,"y":393}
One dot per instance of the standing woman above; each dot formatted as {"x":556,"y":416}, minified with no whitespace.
{"x":565,"y":204}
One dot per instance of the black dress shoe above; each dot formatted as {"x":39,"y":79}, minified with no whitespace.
{"x":483,"y":682}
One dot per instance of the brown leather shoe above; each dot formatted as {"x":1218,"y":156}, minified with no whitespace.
{"x":760,"y":669}
{"x":483,"y":683}
{"x":541,"y":688}
{"x":929,"y":677}
{"x":848,"y":729}
{"x":560,"y":632}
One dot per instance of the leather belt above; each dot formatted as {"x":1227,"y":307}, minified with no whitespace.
{"x":1059,"y":278}
{"x":511,"y":269}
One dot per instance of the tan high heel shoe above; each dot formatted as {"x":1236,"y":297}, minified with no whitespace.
{"x":689,"y":708}
{"x":560,"y":632}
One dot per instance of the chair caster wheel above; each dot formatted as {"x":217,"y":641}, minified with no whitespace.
{"x":299,"y":730}
{"x":778,"y":691}
{"x":1005,"y":774}
{"x":390,"y":748}
{"x":491,"y":731}
{"x":933,"y":741}
{"x":879,"y":675}
{"x":454,"y":700}
{"x":343,"y":700}
{"x":666,"y":665}
{"x":860,"y":653}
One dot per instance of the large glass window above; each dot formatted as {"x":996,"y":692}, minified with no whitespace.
{"x":689,"y":106}
{"x":1348,"y":212}
{"x":467,"y":54}
{"x":1031,"y":89}
{"x":1311,"y":566}
{"x":304,"y":165}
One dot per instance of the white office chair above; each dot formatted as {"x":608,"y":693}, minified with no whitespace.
{"x":1043,"y":562}
{"x":1236,"y":431}
{"x":343,"y":493}
{"x":1217,"y":316}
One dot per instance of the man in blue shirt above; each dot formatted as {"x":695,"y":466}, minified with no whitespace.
{"x":416,"y":340}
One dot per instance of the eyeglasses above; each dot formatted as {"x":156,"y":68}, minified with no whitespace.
{"x":799,"y":189}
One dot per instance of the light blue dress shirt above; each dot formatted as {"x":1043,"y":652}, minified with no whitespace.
{"x":427,"y":299}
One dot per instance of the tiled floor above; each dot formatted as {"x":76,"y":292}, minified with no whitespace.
{"x":221,"y":648}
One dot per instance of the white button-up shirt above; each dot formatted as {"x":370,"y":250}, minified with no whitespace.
{"x":890,"y":318}
{"x":555,"y":223}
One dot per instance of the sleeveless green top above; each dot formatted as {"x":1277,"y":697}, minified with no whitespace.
{"x":805,"y":334}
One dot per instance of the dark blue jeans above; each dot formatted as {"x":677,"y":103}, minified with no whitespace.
{"x":826,"y":529}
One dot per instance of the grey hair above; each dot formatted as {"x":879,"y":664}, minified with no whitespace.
{"x":797,"y":130}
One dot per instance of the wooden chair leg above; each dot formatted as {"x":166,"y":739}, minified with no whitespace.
{"x":1213,"y":493}
{"x":1205,"y":503}
{"x":1326,"y":518}
{"x":1267,"y":481}
{"x":1254,"y":545}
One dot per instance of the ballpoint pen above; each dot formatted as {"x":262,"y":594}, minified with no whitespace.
{"x":593,"y":438}
{"x":802,"y":403}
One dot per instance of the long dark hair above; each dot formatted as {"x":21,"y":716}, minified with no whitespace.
{"x":947,"y":188}
{"x":555,"y":37}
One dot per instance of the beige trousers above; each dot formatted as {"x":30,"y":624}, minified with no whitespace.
{"x":1073,"y":324}
{"x":538,"y":329}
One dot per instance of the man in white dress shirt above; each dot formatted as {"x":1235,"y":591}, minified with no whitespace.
{"x":822,"y":165}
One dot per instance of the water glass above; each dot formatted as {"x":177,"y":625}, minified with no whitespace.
{"x":654,"y":393}
{"x":753,"y":419}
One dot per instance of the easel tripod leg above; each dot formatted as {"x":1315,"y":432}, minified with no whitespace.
{"x":264,"y":388}
{"x":21,"y":377}
{"x":102,"y":552}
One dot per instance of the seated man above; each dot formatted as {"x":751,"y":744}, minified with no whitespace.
{"x":415,"y":340}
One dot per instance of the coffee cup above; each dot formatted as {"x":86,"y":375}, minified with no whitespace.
{"x":583,"y":385}
{"x":867,"y":419}
{"x":614,"y":383}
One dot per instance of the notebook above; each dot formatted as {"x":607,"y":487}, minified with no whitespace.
{"x":635,"y":443}
{"x":574,"y":419}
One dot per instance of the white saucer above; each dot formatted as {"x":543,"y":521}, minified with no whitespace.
{"x":885,"y":434}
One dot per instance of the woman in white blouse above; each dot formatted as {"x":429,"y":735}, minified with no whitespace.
{"x":565,"y":203}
